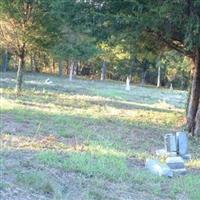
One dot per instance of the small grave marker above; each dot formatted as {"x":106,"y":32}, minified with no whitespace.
{"x":128,"y":84}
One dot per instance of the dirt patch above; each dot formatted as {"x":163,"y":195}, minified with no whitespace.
{"x":10,"y":125}
{"x":143,"y":139}
{"x":17,"y":193}
{"x":136,"y":163}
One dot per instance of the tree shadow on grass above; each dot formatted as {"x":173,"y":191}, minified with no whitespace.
{"x":77,"y":88}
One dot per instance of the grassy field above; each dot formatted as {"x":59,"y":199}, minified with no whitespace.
{"x":88,"y":140}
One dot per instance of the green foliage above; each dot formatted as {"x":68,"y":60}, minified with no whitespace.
{"x":176,"y":68}
{"x":150,"y":26}
{"x":74,"y":46}
{"x":23,"y":24}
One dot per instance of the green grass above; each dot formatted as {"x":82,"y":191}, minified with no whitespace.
{"x":188,"y":185}
{"x":111,"y":167}
{"x":40,"y":182}
{"x":89,"y":139}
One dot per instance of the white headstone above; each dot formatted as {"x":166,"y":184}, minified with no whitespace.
{"x":171,"y":87}
{"x":128,"y":84}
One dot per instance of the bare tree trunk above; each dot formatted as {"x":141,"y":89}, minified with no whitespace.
{"x":193,"y":116}
{"x":144,"y":74}
{"x":60,"y":67}
{"x":21,"y":63}
{"x":197,"y":122}
{"x":31,"y":57}
{"x":15,"y":62}
{"x":158,"y":78}
{"x":53,"y":67}
{"x":71,"y":71}
{"x":75,"y":68}
{"x":5,"y":61}
{"x":33,"y":63}
{"x":103,"y":71}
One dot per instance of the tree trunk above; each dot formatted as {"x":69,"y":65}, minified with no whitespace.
{"x":193,"y":116}
{"x":158,"y":79}
{"x":31,"y":57}
{"x":5,"y":61}
{"x":60,"y":67}
{"x":53,"y":67}
{"x":144,"y":74}
{"x":71,"y":70}
{"x":75,"y":68}
{"x":15,"y":62}
{"x":103,"y":71}
{"x":34,"y":63}
{"x":197,"y":122}
{"x":20,"y":71}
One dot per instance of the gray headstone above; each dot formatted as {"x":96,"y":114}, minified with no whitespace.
{"x":170,"y":142}
{"x":182,"y":143}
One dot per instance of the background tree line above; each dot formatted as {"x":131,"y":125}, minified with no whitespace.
{"x":156,"y":42}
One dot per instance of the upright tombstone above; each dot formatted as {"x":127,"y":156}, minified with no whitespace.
{"x":128,"y":84}
{"x":170,"y":143}
{"x":171,"y":87}
{"x":182,"y":143}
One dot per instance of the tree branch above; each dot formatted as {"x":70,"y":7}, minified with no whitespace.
{"x":171,"y":43}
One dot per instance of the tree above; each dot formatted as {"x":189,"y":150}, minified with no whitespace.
{"x":5,"y":61}
{"x":73,"y":46}
{"x":170,"y":24}
{"x":23,"y":25}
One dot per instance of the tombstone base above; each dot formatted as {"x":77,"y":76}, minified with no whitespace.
{"x":178,"y":172}
{"x":186,"y":157}
{"x":164,"y":153}
{"x":177,"y":165}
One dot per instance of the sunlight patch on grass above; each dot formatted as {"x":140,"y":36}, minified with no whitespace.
{"x":194,"y":163}
{"x":51,"y":142}
{"x":30,"y":143}
{"x":137,"y":116}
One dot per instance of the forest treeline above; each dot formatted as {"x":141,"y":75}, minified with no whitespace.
{"x":172,"y":68}
{"x":152,"y":42}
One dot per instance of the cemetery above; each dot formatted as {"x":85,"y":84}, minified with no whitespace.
{"x":100,"y":100}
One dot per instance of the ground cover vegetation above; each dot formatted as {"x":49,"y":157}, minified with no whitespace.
{"x":69,"y":129}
